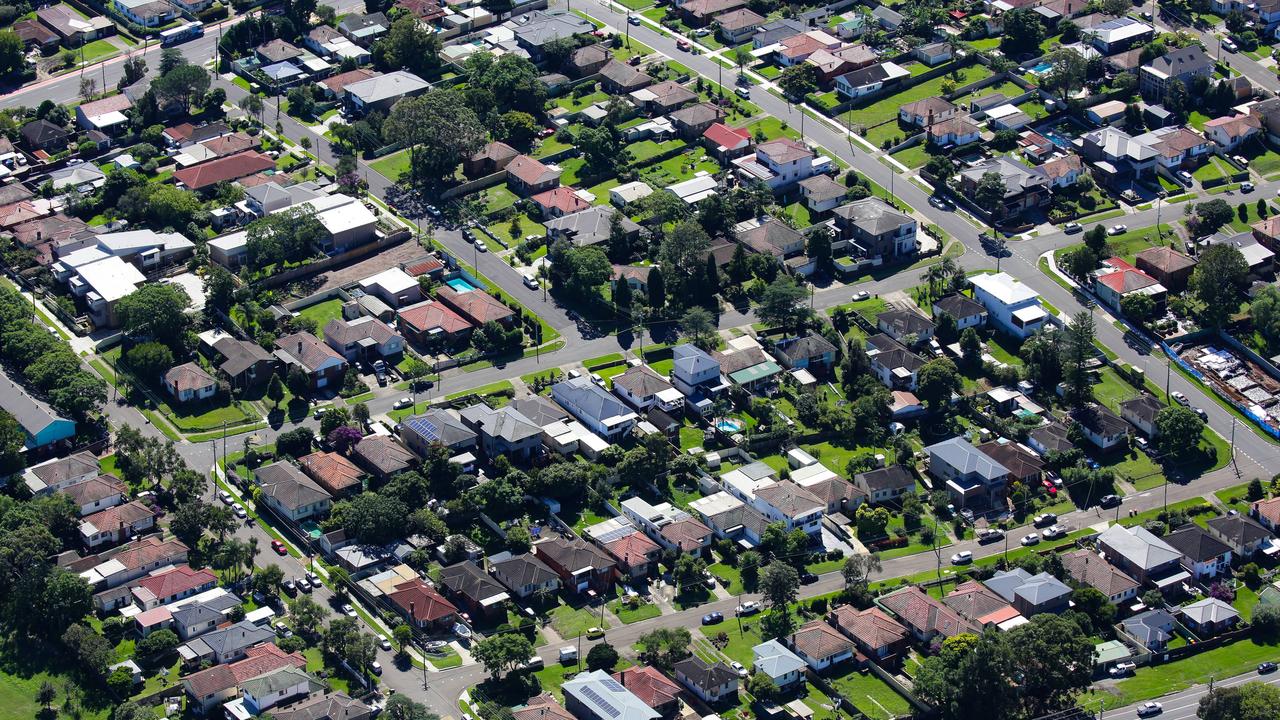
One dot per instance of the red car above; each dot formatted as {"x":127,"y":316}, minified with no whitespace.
{"x":279,"y":547}
{"x":1049,"y":486}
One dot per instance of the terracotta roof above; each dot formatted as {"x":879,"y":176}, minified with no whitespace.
{"x":424,"y":267}
{"x":344,"y":332}
{"x":871,"y":628}
{"x":819,"y":640}
{"x":307,"y":349}
{"x":95,"y":489}
{"x":542,"y":707}
{"x":126,"y":515}
{"x":176,"y":581}
{"x":337,"y":82}
{"x":738,"y":19}
{"x":727,"y":137}
{"x":496,"y":151}
{"x":976,"y":601}
{"x":1062,"y":166}
{"x":1088,"y":567}
{"x":1268,"y":510}
{"x":1126,"y":280}
{"x":921,"y":611}
{"x":530,"y":171}
{"x":929,"y":106}
{"x":384,"y":454}
{"x":784,"y":150}
{"x":232,"y":167}
{"x":560,"y":198}
{"x":230,"y":144}
{"x":686,"y":534}
{"x":1017,"y":461}
{"x":188,"y":376}
{"x":148,"y":551}
{"x":477,"y":306}
{"x":573,"y":555}
{"x":115,"y":103}
{"x":652,"y":687}
{"x":631,"y":549}
{"x":334,"y":472}
{"x":790,"y":499}
{"x":422,"y":600}
{"x":1236,"y":125}
{"x":432,"y":314}
{"x":258,"y":661}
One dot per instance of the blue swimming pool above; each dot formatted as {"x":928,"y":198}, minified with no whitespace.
{"x":1042,"y":68}
{"x":460,"y":285}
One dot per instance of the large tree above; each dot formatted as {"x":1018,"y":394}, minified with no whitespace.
{"x":1023,"y":32}
{"x":439,"y":130}
{"x":780,"y":585}
{"x":1067,"y":71}
{"x":936,"y":381}
{"x":502,"y":653}
{"x":507,"y":83}
{"x":11,"y":53}
{"x":1077,"y":350}
{"x":990,"y":192}
{"x":1250,"y":701}
{"x":1264,"y":312}
{"x":681,"y":255}
{"x":798,"y":80}
{"x":1179,"y":429}
{"x":783,"y":304}
{"x":410,"y":45}
{"x":181,"y":85}
{"x":155,"y":311}
{"x":1218,"y":283}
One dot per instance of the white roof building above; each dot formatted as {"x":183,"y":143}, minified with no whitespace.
{"x":392,"y":281}
{"x":693,"y":190}
{"x":1004,"y":287}
{"x":111,"y":279}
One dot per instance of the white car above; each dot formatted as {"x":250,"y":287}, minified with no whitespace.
{"x":384,"y":643}
{"x":240,"y":511}
{"x":633,"y":19}
{"x":964,"y":557}
{"x":1246,"y":187}
{"x":403,"y":402}
{"x":864,"y":295}
{"x":1054,"y":531}
{"x":348,"y":610}
{"x":1117,"y":229}
{"x":739,"y":668}
{"x":1229,"y":45}
{"x":1178,"y":398}
{"x":1123,"y":669}
{"x":750,"y":607}
{"x":482,"y":247}
{"x":375,"y":667}
{"x":225,"y":497}
{"x":1149,"y":709}
{"x":1029,"y":540}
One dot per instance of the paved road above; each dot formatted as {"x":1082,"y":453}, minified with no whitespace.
{"x":1183,"y":705}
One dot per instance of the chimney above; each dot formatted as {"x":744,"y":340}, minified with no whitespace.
{"x":412,"y":604}
{"x":299,"y":349}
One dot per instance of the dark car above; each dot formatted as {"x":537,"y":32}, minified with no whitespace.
{"x":1109,"y":501}
{"x":712,"y":618}
{"x":808,"y":578}
{"x":1266,"y":667}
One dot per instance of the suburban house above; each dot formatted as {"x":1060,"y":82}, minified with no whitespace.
{"x":875,"y":634}
{"x":710,"y":682}
{"x":635,"y":554}
{"x":1183,"y":64}
{"x":1023,"y":465}
{"x":892,"y":363}
{"x":972,"y":477}
{"x":393,"y":286}
{"x":984,"y":606}
{"x":956,"y":131}
{"x":1030,"y":594}
{"x":905,"y":325}
{"x":870,"y":79}
{"x":1142,"y":556}
{"x":474,"y":590}
{"x":966,"y":312}
{"x":770,"y":237}
{"x":61,"y":473}
{"x":1204,"y":556}
{"x":116,"y":524}
{"x":643,"y":388}
{"x":189,"y":382}
{"x":779,"y":664}
{"x":654,"y":689}
{"x":926,"y":617}
{"x":1267,"y":513}
{"x":244,"y":363}
{"x":382,"y":457}
{"x":525,"y":575}
{"x":737,"y":26}
{"x":527,"y":177}
{"x":290,"y":493}
{"x":822,"y":194}
{"x":885,"y":484}
{"x":440,"y":426}
{"x":1101,"y":427}
{"x":590,"y":226}
{"x":595,"y":695}
{"x":96,"y":493}
{"x":1025,"y":188}
{"x":335,"y":473}
{"x":1011,"y":306}
{"x":322,"y":366}
{"x":382,"y":91}
{"x":1209,"y":617}
{"x":926,"y":112}
{"x":779,"y":164}
{"x":810,"y":352}
{"x":1088,"y":568}
{"x":618,"y":78}
{"x":697,"y":375}
{"x":1117,"y":279}
{"x":432,"y":323}
{"x":1152,"y":629}
{"x":820,"y":645}
{"x":503,"y":431}
{"x":1243,"y":535}
{"x":693,"y":120}
{"x":493,"y":157}
{"x":476,"y":306}
{"x":726,"y":142}
{"x":423,"y":606}
{"x":1229,"y":132}
{"x":365,"y":338}
{"x":728,"y":517}
{"x":876,"y":230}
{"x":213,"y":686}
{"x":582,"y":567}
{"x":1168,"y":266}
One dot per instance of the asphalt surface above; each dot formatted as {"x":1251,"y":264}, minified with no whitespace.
{"x":441,"y":689}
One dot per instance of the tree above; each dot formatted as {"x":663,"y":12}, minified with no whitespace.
{"x":189,"y":522}
{"x":798,"y":80}
{"x":623,"y":298}
{"x":93,"y":651}
{"x":267,"y":580}
{"x":1023,"y":32}
{"x":1092,"y":603}
{"x":858,"y":568}
{"x":11,"y":53}
{"x":1077,"y":350}
{"x":506,"y":83}
{"x":698,"y":325}
{"x":403,"y":635}
{"x":688,"y":572}
{"x":171,"y":59}
{"x":819,"y":247}
{"x":66,"y":599}
{"x":301,"y":103}
{"x":1067,"y":71}
{"x":134,"y":69}
{"x":872,"y":521}
{"x":400,"y":707}
{"x":158,"y":642}
{"x":1118,"y":8}
{"x":1179,"y":430}
{"x":971,"y":347}
{"x":181,"y":86}
{"x":681,"y":254}
{"x":780,"y":585}
{"x":1218,"y":283}
{"x":439,"y":130}
{"x":502,"y":653}
{"x":1138,"y":307}
{"x":1096,"y":240}
{"x":782,"y":304}
{"x":410,"y":45}
{"x":762,"y":687}
{"x":664,"y":647}
{"x":295,"y":443}
{"x":1042,"y":356}
{"x":602,"y":657}
{"x":936,"y":381}
{"x":1251,"y":701}
{"x":219,"y":287}
{"x":518,"y":127}
{"x":149,"y":359}
{"x":1176,"y":98}
{"x":155,"y":311}
{"x":1212,"y":215}
{"x":991,"y":189}
{"x":119,"y":683}
{"x":309,"y":615}
{"x":372,"y":517}
{"x":275,"y":390}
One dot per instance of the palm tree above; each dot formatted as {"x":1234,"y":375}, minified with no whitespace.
{"x":249,"y":553}
{"x":934,"y":275}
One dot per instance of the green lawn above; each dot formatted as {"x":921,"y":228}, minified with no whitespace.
{"x":97,"y":50}
{"x":913,"y":157}
{"x":1214,"y":169}
{"x":884,"y":109}
{"x":392,"y":166}
{"x":679,"y":168}
{"x":551,"y":145}
{"x":528,"y":226}
{"x":730,"y":573}
{"x":497,"y":198}
{"x":1263,"y":160}
{"x":799,"y":213}
{"x":571,"y":622}
{"x":628,"y":614}
{"x":23,"y":669}
{"x":1233,"y":659}
{"x":450,"y":659}
{"x":871,"y":695}
{"x":574,"y":104}
{"x":573,"y":169}
{"x":323,"y":312}
{"x":773,"y":128}
{"x":646,"y":150}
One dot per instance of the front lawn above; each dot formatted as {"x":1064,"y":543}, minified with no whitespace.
{"x":913,"y":157}
{"x":884,"y":109}
{"x":528,"y":226}
{"x":1236,"y":658}
{"x":679,"y":168}
{"x":570,"y":622}
{"x":392,"y":166}
{"x":628,"y":614}
{"x":97,"y":50}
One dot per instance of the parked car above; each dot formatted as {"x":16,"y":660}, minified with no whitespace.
{"x":750,"y":607}
{"x":530,"y":282}
{"x":313,"y":578}
{"x":964,"y":557}
{"x":1044,"y":519}
{"x":712,"y":618}
{"x":303,"y":584}
{"x":279,"y":547}
{"x":1117,"y":229}
{"x":375,"y":667}
{"x":989,"y":535}
{"x":864,"y":295}
{"x":595,"y":632}
{"x":1150,"y":709}
{"x":739,"y":668}
{"x":1054,"y":532}
{"x":633,"y":19}
{"x":1072,"y":227}
{"x":348,"y":610}
{"x":1110,"y":501}
{"x":1266,"y":667}
{"x":1179,"y":398}
{"x":283,"y":630}
{"x":1030,"y":539}
{"x":1123,"y":669}
{"x":1142,"y":444}
{"x":1184,"y":176}
{"x":742,"y":92}
{"x":290,"y":588}
{"x":808,"y":578}
{"x":1240,"y":160}
{"x":225,"y":497}
{"x":568,"y":654}
{"x":1246,"y":187}
{"x":240,"y":511}
{"x":1049,"y":487}
{"x":1229,"y":45}
{"x":682,"y":45}
{"x":403,"y":402}
{"x":1200,"y":413}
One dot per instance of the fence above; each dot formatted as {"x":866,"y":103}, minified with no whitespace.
{"x":1199,"y":377}
{"x":471,"y":186}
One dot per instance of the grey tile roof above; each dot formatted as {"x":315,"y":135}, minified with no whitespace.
{"x":506,"y":423}
{"x":1196,"y":544}
{"x":243,"y":634}
{"x":590,"y":398}
{"x":1138,"y":546}
{"x":1239,"y":529}
{"x":525,"y":569}
{"x":886,"y":478}
{"x":607,"y":698}
{"x":440,"y":425}
{"x":905,"y":322}
{"x":284,"y":482}
{"x":965,"y":458}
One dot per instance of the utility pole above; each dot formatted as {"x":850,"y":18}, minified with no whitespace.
{"x":1234,"y":463}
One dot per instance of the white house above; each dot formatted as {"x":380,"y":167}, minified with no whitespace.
{"x":593,"y":406}
{"x":643,"y":388}
{"x":779,"y":164}
{"x":779,"y":664}
{"x":870,"y":79}
{"x":1011,"y":306}
{"x":189,"y":381}
{"x":364,"y":337}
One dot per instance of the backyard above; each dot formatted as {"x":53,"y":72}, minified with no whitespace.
{"x":884,"y":109}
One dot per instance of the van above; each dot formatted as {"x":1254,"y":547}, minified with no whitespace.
{"x":568,"y":655}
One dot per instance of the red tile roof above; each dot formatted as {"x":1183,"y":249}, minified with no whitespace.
{"x":727,"y":137}
{"x":176,"y":581}
{"x":232,"y":167}
{"x":872,"y":628}
{"x":819,"y":640}
{"x":560,"y":198}
{"x":422,"y":600}
{"x":258,"y":661}
{"x":1268,"y":510}
{"x":341,"y":80}
{"x":126,"y":515}
{"x":631,"y":549}
{"x":920,"y":611}
{"x":432,"y":314}
{"x":542,"y":707}
{"x":230,"y":144}
{"x":334,"y":472}
{"x":149,"y":551}
{"x":530,"y":171}
{"x":477,"y":306}
{"x":652,"y":687}
{"x":425,"y":267}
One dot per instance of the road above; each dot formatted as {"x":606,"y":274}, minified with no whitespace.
{"x":1182,"y":705}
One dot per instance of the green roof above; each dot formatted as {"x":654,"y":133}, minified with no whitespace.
{"x":1110,"y":651}
{"x":755,"y":372}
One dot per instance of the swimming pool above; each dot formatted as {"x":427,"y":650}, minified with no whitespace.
{"x":1054,"y":137}
{"x":1042,"y":68}
{"x":460,"y":285}
{"x":730,"y":425}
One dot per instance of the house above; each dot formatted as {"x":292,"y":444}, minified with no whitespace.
{"x":72,"y":27}
{"x":905,"y":326}
{"x":393,"y":286}
{"x":1012,"y":307}
{"x":619,"y":78}
{"x":771,"y":237}
{"x":1203,"y":555}
{"x":875,"y":230}
{"x":926,"y":112}
{"x":290,"y":493}
{"x":1025,"y":188}
{"x":653,"y":688}
{"x":587,"y":60}
{"x":870,"y":79}
{"x":635,"y":554}
{"x":582,"y":567}
{"x":697,"y":13}
{"x":1175,"y":147}
{"x":905,"y":405}
{"x":779,"y":164}
{"x":933,"y":54}
{"x":591,"y":226}
{"x":1117,"y":279}
{"x":821,"y":193}
{"x":476,"y":591}
{"x":327,"y":706}
{"x":788,"y":503}
{"x":696,"y":374}
{"x":213,"y":686}
{"x":262,"y":693}
{"x":693,"y":120}
{"x":542,"y":28}
{"x":643,"y":388}
{"x":206,"y":175}
{"x":924,"y":616}
{"x":541,"y":707}
{"x":1242,"y":534}
{"x":1267,"y":513}
{"x":57,"y":474}
{"x":1142,"y":556}
{"x":1117,"y":157}
{"x":1230,"y":132}
{"x":775,"y":32}
{"x":1169,"y":267}
{"x":670,"y":527}
{"x":526,"y":176}
{"x":692,"y":191}
{"x":595,"y":695}
{"x":810,"y":351}
{"x":1088,"y":568}
{"x":382,"y":457}
{"x":437,"y":426}
{"x":663,"y":97}
{"x":503,"y":431}
{"x":96,"y":493}
{"x":525,"y":575}
{"x":147,"y":13}
{"x":873,"y":632}
{"x":779,"y":664}
{"x":188,"y":382}
{"x":365,"y":338}
{"x":1101,"y":427}
{"x":1141,"y":413}
{"x":1209,"y":617}
{"x":966,"y":312}
{"x":172,"y":585}
{"x":106,"y":115}
{"x":726,"y":142}
{"x":382,"y":91}
{"x":35,"y":34}
{"x":1023,"y":465}
{"x":44,"y":135}
{"x":711,"y":682}
{"x":322,"y":365}
{"x":728,"y":517}
{"x":685,"y":536}
{"x":956,"y":131}
{"x":893,"y":365}
{"x":1151,"y":630}
{"x":832,"y":63}
{"x":195,"y":619}
{"x":1119,"y":34}
{"x":982,"y":605}
{"x":1030,"y":594}
{"x":971,"y":476}
{"x":886,"y":17}
{"x":1183,"y":64}
{"x":432,"y":323}
{"x":737,"y":26}
{"x":798,"y":48}
{"x":476,"y":306}
{"x":885,"y":484}
{"x":558,"y":202}
{"x":1063,"y":172}
{"x":114,"y":525}
{"x":492,"y":158}
{"x":276,"y":51}
{"x":336,"y":474}
{"x":423,"y":606}
{"x":244,"y":363}
{"x":627,"y":193}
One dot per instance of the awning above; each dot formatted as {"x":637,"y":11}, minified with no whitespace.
{"x":755,"y":373}
{"x":1029,"y":314}
{"x":1171,"y":580}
